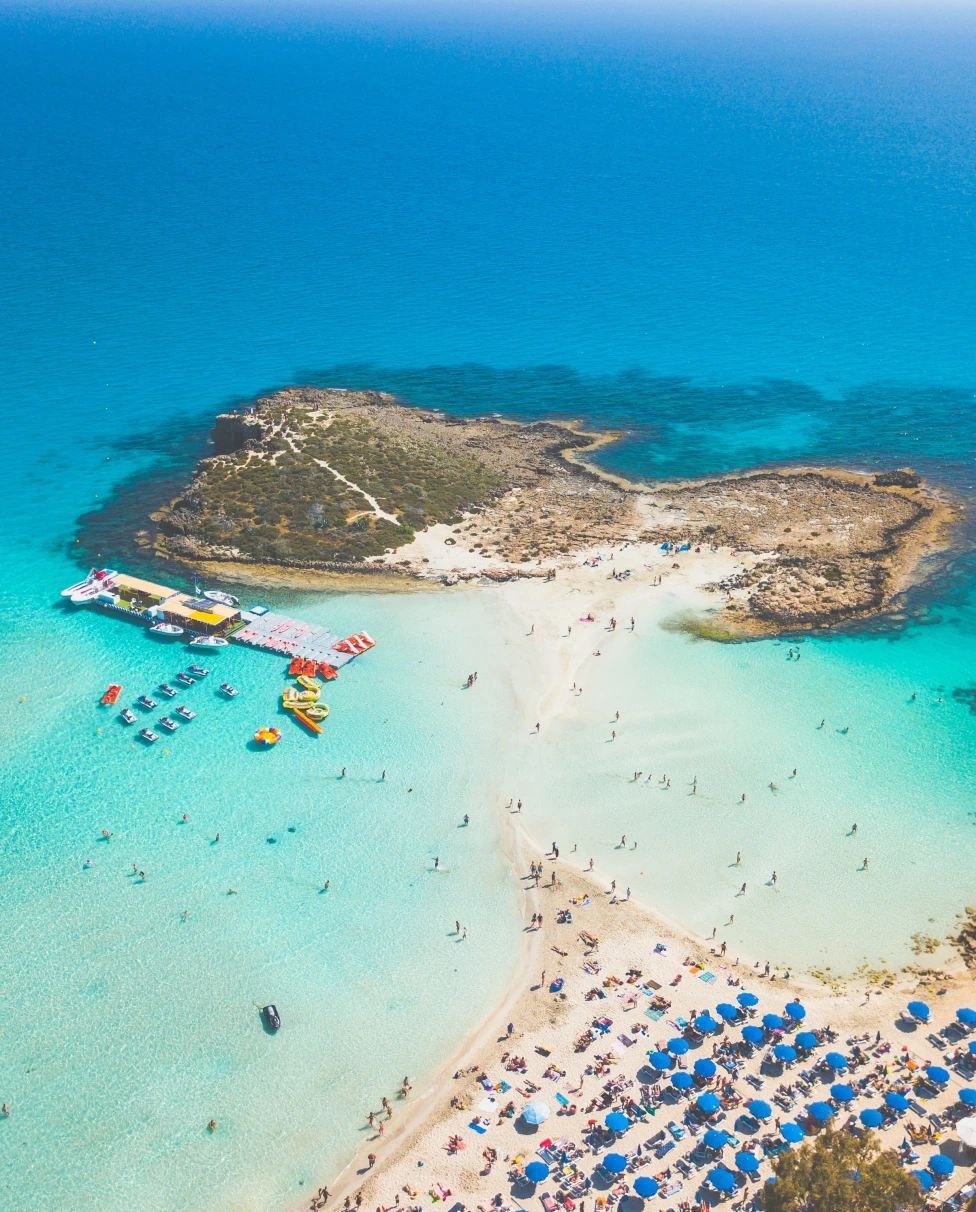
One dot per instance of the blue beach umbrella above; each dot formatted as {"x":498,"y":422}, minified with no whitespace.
{"x":796,"y":1011}
{"x":708,"y":1103}
{"x":682,"y":1081}
{"x":941,"y":1165}
{"x":677,"y":1046}
{"x":968,"y":1097}
{"x":616,"y":1122}
{"x":925,"y":1179}
{"x":705,"y":1067}
{"x":871,"y":1118}
{"x":753,"y":1035}
{"x":616,"y":1163}
{"x":714,"y":1139}
{"x":729,"y":1012}
{"x":659,"y":1060}
{"x":759,"y":1109}
{"x":896,"y":1101}
{"x":972,"y":1045}
{"x":783,"y":1052}
{"x":836,"y":1060}
{"x":645,"y":1186}
{"x":722,"y":1179}
{"x":842,"y":1093}
{"x":792,"y":1133}
{"x":806,"y":1039}
{"x":935,"y":1073}
{"x":537,"y":1172}
{"x":773,"y":1022}
{"x":748,"y":1163}
{"x":967,"y":1016}
{"x":821,"y":1111}
{"x":706,"y":1024}
{"x":747,"y":999}
{"x":919,"y":1010}
{"x":535,"y":1113}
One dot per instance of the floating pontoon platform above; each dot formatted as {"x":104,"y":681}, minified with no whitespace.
{"x":290,"y":637}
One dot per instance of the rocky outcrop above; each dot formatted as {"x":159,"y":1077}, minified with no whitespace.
{"x":233,"y":430}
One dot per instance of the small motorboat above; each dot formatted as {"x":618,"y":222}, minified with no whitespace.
{"x":148,"y":735}
{"x":111,"y":695}
{"x":198,"y":671}
{"x":308,"y":722}
{"x":185,"y":712}
{"x":228,"y":689}
{"x":146,"y":702}
{"x":168,"y":724}
{"x":127,"y":716}
{"x":225,"y":599}
{"x":97,"y":580}
{"x":186,"y":679}
{"x":167,"y":689}
{"x":267,"y":736}
{"x":209,"y":641}
{"x":270,"y":1016}
{"x":169,"y":630}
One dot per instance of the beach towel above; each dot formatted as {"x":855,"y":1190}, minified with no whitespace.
{"x":562,"y":1100}
{"x":654,"y":1015}
{"x":707,"y":977}
{"x":488,"y":1104}
{"x":478,"y":1127}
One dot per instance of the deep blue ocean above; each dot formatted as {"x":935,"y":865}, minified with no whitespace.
{"x":742,"y":234}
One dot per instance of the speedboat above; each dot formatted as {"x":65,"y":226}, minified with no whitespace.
{"x":197,"y":671}
{"x":148,"y":735}
{"x":111,"y":695}
{"x":225,"y":599}
{"x":165,"y":688}
{"x":166,"y":629}
{"x":145,"y":701}
{"x":167,"y":723}
{"x":209,"y":641}
{"x":128,"y":717}
{"x":229,"y":690}
{"x":186,"y":679}
{"x":97,"y":580}
{"x":270,"y":1016}
{"x":185,"y":712}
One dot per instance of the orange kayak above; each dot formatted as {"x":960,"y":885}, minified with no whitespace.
{"x":112,"y":694}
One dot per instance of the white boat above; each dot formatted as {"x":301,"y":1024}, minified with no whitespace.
{"x":148,"y":735}
{"x":186,"y":713}
{"x":169,"y":629}
{"x":167,"y":723}
{"x":128,"y":717}
{"x":98,"y":578}
{"x":228,"y":690}
{"x":225,"y":599}
{"x":209,"y":641}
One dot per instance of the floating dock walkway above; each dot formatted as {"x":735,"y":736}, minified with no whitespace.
{"x":290,"y":637}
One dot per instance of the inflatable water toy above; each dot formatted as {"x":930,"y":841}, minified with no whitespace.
{"x":308,"y":682}
{"x":310,"y":724}
{"x":267,"y":736}
{"x":315,"y":711}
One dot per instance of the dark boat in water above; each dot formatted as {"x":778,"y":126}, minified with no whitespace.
{"x":270,"y":1016}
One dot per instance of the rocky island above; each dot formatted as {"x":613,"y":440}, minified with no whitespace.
{"x":341,"y":481}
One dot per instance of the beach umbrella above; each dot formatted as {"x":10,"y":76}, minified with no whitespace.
{"x":942,"y":1165}
{"x":842,"y":1093}
{"x":925,"y":1179}
{"x":792,"y":1133}
{"x":537,"y":1172}
{"x":836,"y":1060}
{"x":968,"y":1097}
{"x":796,"y":1011}
{"x":677,"y":1046}
{"x":645,"y":1186}
{"x":967,"y":1016}
{"x":759,"y":1109}
{"x":659,"y":1060}
{"x":773,"y":1022}
{"x":727,"y":1011}
{"x":705,"y":1067}
{"x":966,"y":1128}
{"x":783,"y":1052}
{"x":821,"y":1111}
{"x":714,"y":1139}
{"x":708,"y":1104}
{"x":747,"y":999}
{"x":806,"y":1039}
{"x":935,"y":1073}
{"x":682,"y":1081}
{"x":617,"y":1122}
{"x":871,"y":1118}
{"x":919,"y":1010}
{"x":706,"y":1024}
{"x":896,"y":1101}
{"x":535,"y":1113}
{"x":748,"y":1163}
{"x":753,"y":1035}
{"x":722,"y":1179}
{"x":972,"y":1045}
{"x":616,"y":1163}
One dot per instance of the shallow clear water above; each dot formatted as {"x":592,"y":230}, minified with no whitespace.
{"x":742,"y":238}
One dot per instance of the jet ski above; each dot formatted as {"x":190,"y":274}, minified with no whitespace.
{"x":270,"y":1016}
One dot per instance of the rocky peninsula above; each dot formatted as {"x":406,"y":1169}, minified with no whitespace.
{"x":336,"y":481}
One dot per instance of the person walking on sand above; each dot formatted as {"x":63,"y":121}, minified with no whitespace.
{"x":743,"y":800}
{"x":437,"y":863}
{"x":864,"y":865}
{"x":613,"y":734}
{"x":623,"y":840}
{"x":590,"y":868}
{"x":542,"y":978}
{"x":742,"y":890}
{"x":738,"y":858}
{"x":772,"y":879}
{"x":537,"y":725}
{"x":370,"y":1160}
{"x":854,"y":828}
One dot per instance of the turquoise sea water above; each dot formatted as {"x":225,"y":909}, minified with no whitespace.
{"x":742,"y":236}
